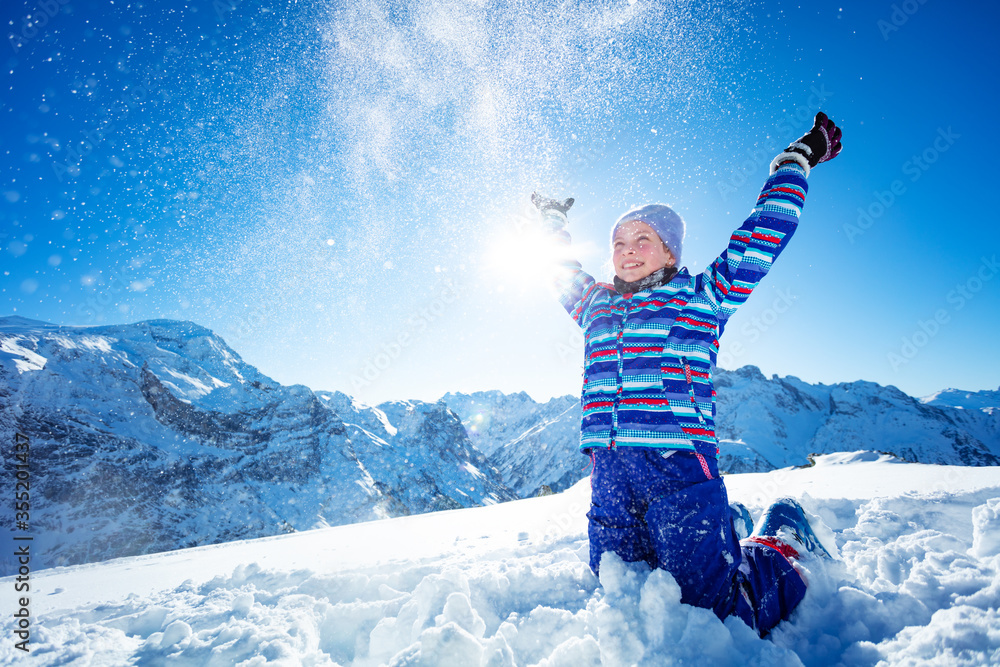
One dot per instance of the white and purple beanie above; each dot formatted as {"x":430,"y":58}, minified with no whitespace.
{"x":665,"y":222}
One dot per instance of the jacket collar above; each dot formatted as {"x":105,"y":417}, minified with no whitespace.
{"x":654,"y":279}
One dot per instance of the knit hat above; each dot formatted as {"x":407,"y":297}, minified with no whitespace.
{"x":665,"y":222}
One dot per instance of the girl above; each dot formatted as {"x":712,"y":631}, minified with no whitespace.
{"x":651,"y":340}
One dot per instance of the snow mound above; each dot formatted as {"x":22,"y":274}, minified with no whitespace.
{"x":917,"y":582}
{"x":846,"y":458}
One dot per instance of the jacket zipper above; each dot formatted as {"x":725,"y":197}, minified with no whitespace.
{"x":621,"y":368}
{"x":690,"y":384}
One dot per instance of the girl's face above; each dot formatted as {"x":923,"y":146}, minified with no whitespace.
{"x":637,"y":251}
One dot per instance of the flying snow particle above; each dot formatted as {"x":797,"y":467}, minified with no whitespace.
{"x":17,"y":248}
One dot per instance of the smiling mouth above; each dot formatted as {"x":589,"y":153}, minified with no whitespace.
{"x":631,"y":265}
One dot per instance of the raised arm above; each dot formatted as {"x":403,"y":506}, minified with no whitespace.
{"x":752,"y":248}
{"x":574,"y":286}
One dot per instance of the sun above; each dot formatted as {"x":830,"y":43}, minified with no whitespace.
{"x":526,"y":255}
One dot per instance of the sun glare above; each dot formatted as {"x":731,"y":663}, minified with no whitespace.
{"x":526,"y":257}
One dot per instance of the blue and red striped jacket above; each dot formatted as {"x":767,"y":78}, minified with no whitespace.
{"x":650,"y":356}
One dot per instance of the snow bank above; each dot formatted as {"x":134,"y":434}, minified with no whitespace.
{"x":916,"y":582}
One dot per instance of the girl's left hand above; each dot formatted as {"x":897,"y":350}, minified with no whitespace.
{"x":819,"y":144}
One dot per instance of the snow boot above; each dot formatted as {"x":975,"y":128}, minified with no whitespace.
{"x":785,"y":527}
{"x":742,"y":521}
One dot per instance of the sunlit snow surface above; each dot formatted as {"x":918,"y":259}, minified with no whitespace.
{"x":917,"y":583}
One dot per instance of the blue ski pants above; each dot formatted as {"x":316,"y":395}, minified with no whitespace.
{"x":669,"y":508}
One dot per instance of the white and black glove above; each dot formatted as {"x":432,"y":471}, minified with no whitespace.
{"x":544,"y":204}
{"x":819,"y":144}
{"x":553,"y":213}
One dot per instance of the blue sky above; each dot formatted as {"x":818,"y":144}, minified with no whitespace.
{"x":340,"y":191}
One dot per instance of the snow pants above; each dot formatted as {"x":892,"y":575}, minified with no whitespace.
{"x":670,"y":509}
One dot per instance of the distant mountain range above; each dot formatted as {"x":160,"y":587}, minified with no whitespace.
{"x":156,"y":436}
{"x":762,"y":424}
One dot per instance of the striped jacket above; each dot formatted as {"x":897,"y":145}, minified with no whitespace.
{"x":650,"y":356}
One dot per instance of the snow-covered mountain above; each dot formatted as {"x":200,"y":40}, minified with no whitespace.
{"x":986,"y":401}
{"x":412,"y":449}
{"x":156,"y":436}
{"x":533,"y":445}
{"x":784,"y":420}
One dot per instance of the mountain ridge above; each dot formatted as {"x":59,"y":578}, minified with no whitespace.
{"x":157,"y":435}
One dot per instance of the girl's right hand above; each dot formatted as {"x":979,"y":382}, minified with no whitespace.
{"x":544,"y":204}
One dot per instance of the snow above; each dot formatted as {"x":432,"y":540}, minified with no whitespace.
{"x":25,"y":360}
{"x":857,"y":475}
{"x":195,"y":387}
{"x":967,"y":400}
{"x":916,"y":582}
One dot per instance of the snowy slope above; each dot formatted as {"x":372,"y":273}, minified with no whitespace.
{"x":156,"y":436}
{"x":918,"y":582}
